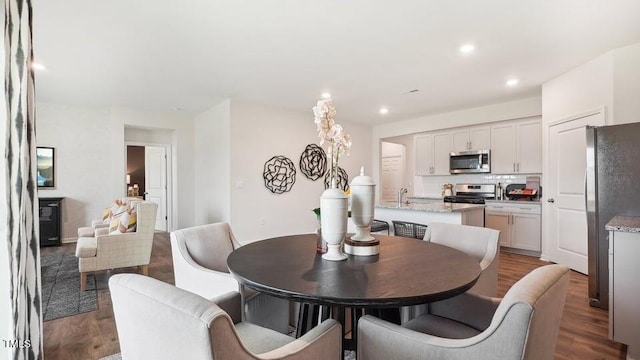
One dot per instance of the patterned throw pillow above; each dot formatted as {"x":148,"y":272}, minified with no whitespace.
{"x":128,"y":222}
{"x":125,"y":222}
{"x":114,"y":226}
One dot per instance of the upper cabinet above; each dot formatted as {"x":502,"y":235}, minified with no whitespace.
{"x":471,"y":138}
{"x":432,"y":154}
{"x":516,"y":147}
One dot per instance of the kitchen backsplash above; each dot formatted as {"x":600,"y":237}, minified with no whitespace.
{"x":431,"y":186}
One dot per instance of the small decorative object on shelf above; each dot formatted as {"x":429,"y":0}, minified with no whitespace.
{"x":362,"y":211}
{"x":333,"y":202}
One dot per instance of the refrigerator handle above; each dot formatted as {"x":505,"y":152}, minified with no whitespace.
{"x":586,"y":198}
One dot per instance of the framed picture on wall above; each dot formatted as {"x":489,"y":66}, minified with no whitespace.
{"x":46,"y":167}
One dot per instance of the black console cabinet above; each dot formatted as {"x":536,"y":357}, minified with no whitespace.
{"x":50,"y":214}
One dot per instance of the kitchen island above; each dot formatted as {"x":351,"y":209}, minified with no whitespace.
{"x":464,"y":214}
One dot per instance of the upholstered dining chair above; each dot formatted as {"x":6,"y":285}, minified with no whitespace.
{"x":522,"y":325}
{"x":156,"y":320}
{"x":200,"y":266}
{"x":479,"y":242}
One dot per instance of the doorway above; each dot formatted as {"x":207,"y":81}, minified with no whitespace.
{"x":147,"y":176}
{"x":393,"y":160}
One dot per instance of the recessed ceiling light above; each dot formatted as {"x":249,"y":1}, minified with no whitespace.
{"x":384,"y":111}
{"x":37,"y":66}
{"x":326,"y":95}
{"x":467,"y":49}
{"x":512,"y":82}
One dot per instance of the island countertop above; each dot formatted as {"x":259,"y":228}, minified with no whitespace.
{"x":624,"y":224}
{"x":440,"y":207}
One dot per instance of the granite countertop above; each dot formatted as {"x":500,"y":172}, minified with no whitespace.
{"x":431,"y":207}
{"x":433,"y":197}
{"x":521,"y":202}
{"x":624,"y":224}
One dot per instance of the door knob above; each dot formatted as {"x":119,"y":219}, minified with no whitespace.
{"x":551,"y":200}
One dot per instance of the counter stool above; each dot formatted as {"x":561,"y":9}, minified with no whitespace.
{"x":409,"y":229}
{"x":379,"y":225}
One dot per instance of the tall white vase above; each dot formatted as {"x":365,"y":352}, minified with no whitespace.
{"x":333,"y":221}
{"x":362,"y":200}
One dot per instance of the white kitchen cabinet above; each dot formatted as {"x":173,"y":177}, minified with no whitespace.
{"x":519,"y":224}
{"x":624,"y":287}
{"x":423,"y":157}
{"x":499,"y":221}
{"x":516,"y":147}
{"x":471,"y":138}
{"x":432,"y":154}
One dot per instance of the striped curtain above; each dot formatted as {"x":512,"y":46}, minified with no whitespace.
{"x":20,"y":186}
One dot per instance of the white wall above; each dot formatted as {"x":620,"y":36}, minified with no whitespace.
{"x":259,"y":132}
{"x":212,"y":141}
{"x":582,"y":89}
{"x":90,"y":159}
{"x":465,"y":117}
{"x":89,"y":168}
{"x":626,"y":84}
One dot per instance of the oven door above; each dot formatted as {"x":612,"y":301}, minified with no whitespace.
{"x":470,"y":162}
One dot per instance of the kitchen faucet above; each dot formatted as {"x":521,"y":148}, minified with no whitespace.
{"x":401,"y":192}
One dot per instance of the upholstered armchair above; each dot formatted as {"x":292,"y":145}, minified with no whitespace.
{"x":105,"y":251}
{"x":200,"y":266}
{"x":522,"y":325}
{"x":156,"y":320}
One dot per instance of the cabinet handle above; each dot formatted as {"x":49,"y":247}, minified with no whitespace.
{"x":514,"y":167}
{"x":526,"y":208}
{"x":518,"y":167}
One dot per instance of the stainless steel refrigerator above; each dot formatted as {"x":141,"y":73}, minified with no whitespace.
{"x":612,"y":187}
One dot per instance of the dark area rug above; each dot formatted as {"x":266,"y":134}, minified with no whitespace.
{"x":61,"y":295}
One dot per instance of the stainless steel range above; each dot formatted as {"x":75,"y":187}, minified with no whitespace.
{"x":472,"y":193}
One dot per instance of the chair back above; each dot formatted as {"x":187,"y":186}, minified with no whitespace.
{"x":146,"y":219}
{"x":481,"y":243}
{"x":528,"y":317}
{"x":156,"y":320}
{"x":208,"y":245}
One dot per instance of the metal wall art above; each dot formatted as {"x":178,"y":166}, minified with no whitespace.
{"x":279,"y":174}
{"x":342,"y":179}
{"x":313,"y":162}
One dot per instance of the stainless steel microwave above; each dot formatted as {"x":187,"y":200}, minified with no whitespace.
{"x":470,"y":162}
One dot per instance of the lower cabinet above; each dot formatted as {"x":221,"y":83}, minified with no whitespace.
{"x":624,"y":290}
{"x":519,"y":224}
{"x":50,"y":229}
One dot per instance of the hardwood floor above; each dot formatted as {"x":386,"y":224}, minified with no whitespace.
{"x":92,"y":335}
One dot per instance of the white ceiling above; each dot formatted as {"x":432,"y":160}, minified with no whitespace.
{"x":161,"y":54}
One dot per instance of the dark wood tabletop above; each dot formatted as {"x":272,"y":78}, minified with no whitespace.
{"x":406,"y":272}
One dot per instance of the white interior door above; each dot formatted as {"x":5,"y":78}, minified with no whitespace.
{"x":564,"y":209}
{"x":155,"y":161}
{"x":392,"y":177}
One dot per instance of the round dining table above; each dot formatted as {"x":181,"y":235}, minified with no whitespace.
{"x":405,"y":272}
